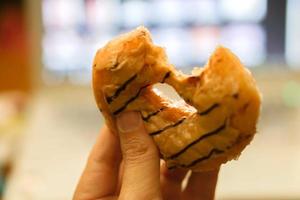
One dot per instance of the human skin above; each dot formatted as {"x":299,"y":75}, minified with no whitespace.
{"x":126,"y":166}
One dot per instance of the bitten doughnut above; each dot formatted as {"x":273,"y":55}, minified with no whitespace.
{"x":214,"y":124}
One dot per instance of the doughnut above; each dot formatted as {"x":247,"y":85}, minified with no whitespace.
{"x":212,"y":124}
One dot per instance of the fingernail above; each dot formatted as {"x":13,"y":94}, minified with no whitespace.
{"x":128,"y":121}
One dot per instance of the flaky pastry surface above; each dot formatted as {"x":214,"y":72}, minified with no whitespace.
{"x":216,"y":122}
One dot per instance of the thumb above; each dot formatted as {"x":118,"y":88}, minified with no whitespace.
{"x":140,"y":157}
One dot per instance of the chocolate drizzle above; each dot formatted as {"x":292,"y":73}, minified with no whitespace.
{"x":167,"y":75}
{"x":194,"y":162}
{"x":235,"y":96}
{"x":211,"y":108}
{"x":167,"y":127}
{"x":198,"y":160}
{"x":209,"y":155}
{"x":120,"y":89}
{"x":146,"y":118}
{"x":202,"y":137}
{"x":129,"y":101}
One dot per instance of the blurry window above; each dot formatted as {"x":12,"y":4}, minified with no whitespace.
{"x":188,"y":29}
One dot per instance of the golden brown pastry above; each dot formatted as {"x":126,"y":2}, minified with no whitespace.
{"x":217,"y":120}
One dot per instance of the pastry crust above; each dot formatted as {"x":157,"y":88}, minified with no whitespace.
{"x":215,"y":124}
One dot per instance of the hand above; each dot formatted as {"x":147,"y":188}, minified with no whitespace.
{"x":127,"y":167}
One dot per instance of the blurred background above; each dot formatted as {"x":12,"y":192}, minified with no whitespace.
{"x":48,"y":117}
